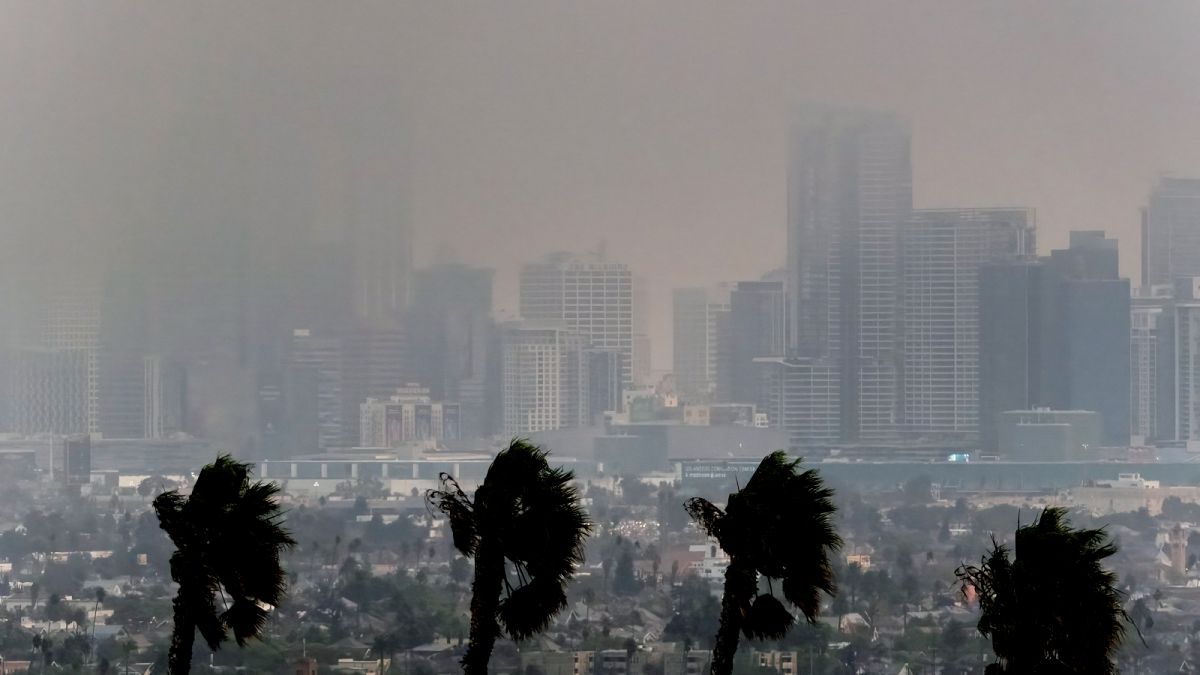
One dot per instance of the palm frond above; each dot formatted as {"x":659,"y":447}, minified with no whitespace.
{"x":529,"y":609}
{"x":459,"y":510}
{"x":246,"y":619}
{"x":706,"y":514}
{"x":767,"y":619}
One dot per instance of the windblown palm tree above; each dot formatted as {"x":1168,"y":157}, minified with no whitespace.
{"x":525,"y":529}
{"x":228,"y":538}
{"x":1052,"y":607}
{"x":779,"y":526}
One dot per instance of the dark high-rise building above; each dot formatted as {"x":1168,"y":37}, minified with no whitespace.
{"x":849,"y":197}
{"x":604,"y":383}
{"x":1057,"y":333}
{"x":453,"y":342}
{"x":757,"y":329}
{"x":1011,"y":341}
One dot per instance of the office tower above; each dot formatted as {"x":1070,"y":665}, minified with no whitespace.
{"x":48,"y":391}
{"x":700,"y":321}
{"x":1171,"y":231}
{"x":1152,"y":365}
{"x":544,"y":375}
{"x":71,"y":322}
{"x":374,"y":365}
{"x":122,"y":348}
{"x":71,"y":460}
{"x":640,"y":366}
{"x":452,"y":339}
{"x":1011,"y":341}
{"x":1092,"y":327}
{"x":1056,"y":334}
{"x":604,"y":383}
{"x":757,"y":329}
{"x":408,"y":415}
{"x":164,"y":391}
{"x":324,"y":356}
{"x":849,"y":196}
{"x":800,"y":395}
{"x":943,"y":251}
{"x":592,"y":297}
{"x":1187,"y":360}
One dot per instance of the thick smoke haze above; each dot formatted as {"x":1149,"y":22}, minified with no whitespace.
{"x":500,"y":131}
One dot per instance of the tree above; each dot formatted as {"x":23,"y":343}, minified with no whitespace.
{"x":624,"y":582}
{"x":780,"y":525}
{"x":526,"y":515}
{"x":1052,"y":607}
{"x":95,"y":609}
{"x":228,"y":538}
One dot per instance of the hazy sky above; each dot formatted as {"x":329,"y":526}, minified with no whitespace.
{"x":514,"y":128}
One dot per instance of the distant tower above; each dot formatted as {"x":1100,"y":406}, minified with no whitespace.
{"x":589,"y":295}
{"x":849,"y":196}
{"x":701,"y":341}
{"x":545,"y":377}
{"x":1171,"y":231}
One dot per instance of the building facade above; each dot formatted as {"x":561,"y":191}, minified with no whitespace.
{"x":545,"y":378}
{"x":849,"y":196}
{"x":588,"y":295}
{"x":700,"y":322}
{"x":944,"y":251}
{"x":1171,"y":231}
{"x":408,"y":415}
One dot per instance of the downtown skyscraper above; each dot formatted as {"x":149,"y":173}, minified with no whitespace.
{"x":943,"y":253}
{"x":1171,"y":232}
{"x":849,"y":198}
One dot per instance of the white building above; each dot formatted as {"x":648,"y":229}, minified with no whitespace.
{"x":943,"y":252}
{"x":544,"y":377}
{"x":700,"y":321}
{"x":409,"y":415}
{"x":589,"y":295}
{"x":1151,"y":355}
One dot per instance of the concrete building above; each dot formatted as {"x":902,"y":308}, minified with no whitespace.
{"x":700,"y":320}
{"x":48,"y":391}
{"x":800,"y":396}
{"x":71,"y":460}
{"x":1171,"y":231}
{"x":1042,"y":434}
{"x":1152,"y":365}
{"x":408,"y":415}
{"x":164,"y":403}
{"x":545,"y":377}
{"x":1187,"y":361}
{"x":849,"y":197}
{"x":588,"y":295}
{"x":944,"y":250}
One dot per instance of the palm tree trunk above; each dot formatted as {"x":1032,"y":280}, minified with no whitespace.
{"x":179,"y":656}
{"x":741,"y":583}
{"x":485,"y":599}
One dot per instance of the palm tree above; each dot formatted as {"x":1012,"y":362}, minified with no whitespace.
{"x":95,"y":609}
{"x":228,"y":539}
{"x":779,"y":526}
{"x":1052,"y":607}
{"x":525,"y":517}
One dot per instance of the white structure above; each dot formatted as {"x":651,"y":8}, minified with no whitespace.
{"x":700,"y":320}
{"x":409,"y":415}
{"x":544,"y":377}
{"x":943,"y":252}
{"x":1151,"y":395}
{"x":590,"y":296}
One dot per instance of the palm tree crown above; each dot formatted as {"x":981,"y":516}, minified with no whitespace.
{"x":780,"y":525}
{"x":526,"y":517}
{"x":228,"y":538}
{"x":1053,"y":607}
